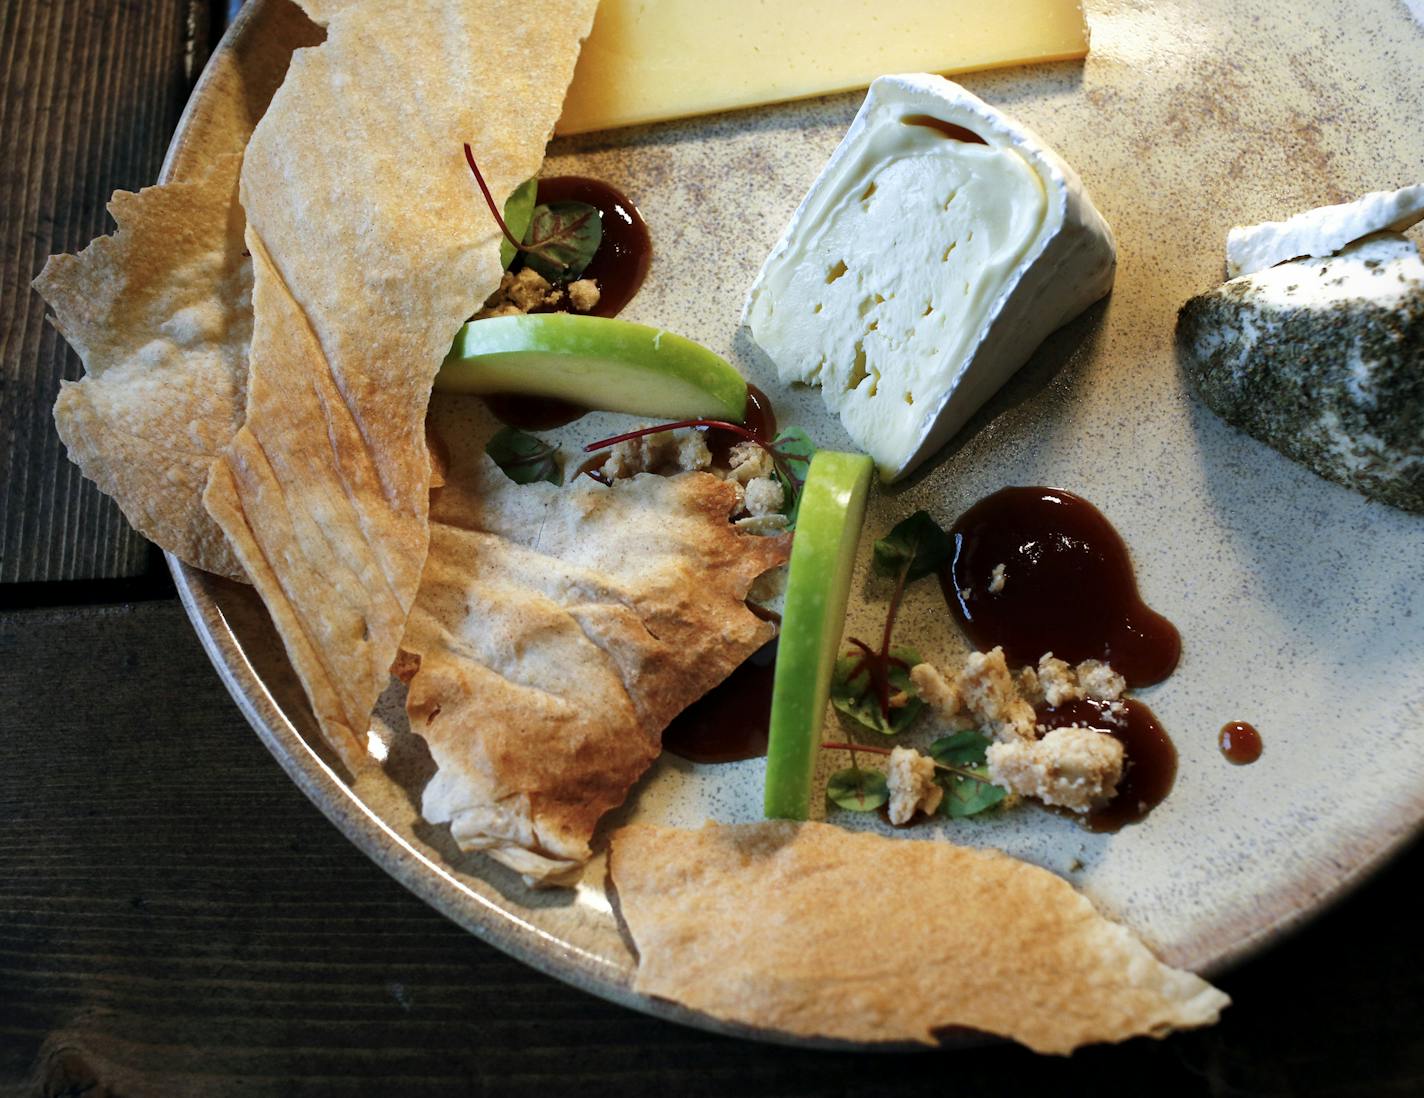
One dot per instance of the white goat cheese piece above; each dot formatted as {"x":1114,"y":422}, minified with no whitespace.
{"x":925,"y":265}
{"x":1322,"y":231}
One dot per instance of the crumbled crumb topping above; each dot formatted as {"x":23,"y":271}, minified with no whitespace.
{"x":525,"y":290}
{"x":1075,"y":768}
{"x":910,"y":778}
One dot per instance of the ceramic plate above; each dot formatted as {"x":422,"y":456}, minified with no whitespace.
{"x":1301,"y":605}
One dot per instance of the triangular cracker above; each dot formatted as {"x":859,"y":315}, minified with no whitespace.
{"x":160,"y":312}
{"x":558,"y":631}
{"x":812,"y":930}
{"x":370,"y":247}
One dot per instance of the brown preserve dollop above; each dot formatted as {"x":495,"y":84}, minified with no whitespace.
{"x":1068,"y":586}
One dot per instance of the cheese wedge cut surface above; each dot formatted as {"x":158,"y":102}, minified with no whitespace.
{"x":649,"y":62}
{"x":938,"y":247}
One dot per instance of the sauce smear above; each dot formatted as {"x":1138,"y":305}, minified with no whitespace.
{"x":730,"y":721}
{"x":1151,"y":760}
{"x":1240,"y":743}
{"x":625,"y":250}
{"x":619,"y":266}
{"x":1068,"y":586}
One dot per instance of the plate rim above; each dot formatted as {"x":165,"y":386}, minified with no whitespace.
{"x":1287,"y":911}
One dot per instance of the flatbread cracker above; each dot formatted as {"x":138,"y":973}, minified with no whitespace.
{"x":370,"y":247}
{"x":160,"y":312}
{"x":820,"y":932}
{"x":558,"y":631}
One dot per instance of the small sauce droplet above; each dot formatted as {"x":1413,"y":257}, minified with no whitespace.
{"x":730,"y":721}
{"x":1151,"y":760}
{"x":1240,"y":743}
{"x":1068,"y":586}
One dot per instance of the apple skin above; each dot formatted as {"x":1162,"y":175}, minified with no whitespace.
{"x":818,"y":585}
{"x":595,"y":361}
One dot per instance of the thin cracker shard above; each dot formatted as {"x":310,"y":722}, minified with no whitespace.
{"x":370,"y":249}
{"x":160,"y":313}
{"x":818,"y":932}
{"x":557,"y":632}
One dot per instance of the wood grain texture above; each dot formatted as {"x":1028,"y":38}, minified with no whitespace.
{"x":177,"y":919}
{"x":91,"y":92}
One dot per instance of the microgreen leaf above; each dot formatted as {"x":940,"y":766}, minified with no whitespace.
{"x":967,"y":748}
{"x":518,"y":212}
{"x":965,"y":796}
{"x":858,"y":790}
{"x":853,"y":691}
{"x":524,"y":458}
{"x":791,"y":453}
{"x":916,"y":544}
{"x":562,"y":238}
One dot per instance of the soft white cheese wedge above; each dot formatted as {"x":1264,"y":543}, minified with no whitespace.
{"x":938,"y":247}
{"x":1322,"y":231}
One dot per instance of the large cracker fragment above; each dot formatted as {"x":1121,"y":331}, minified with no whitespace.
{"x":160,"y":313}
{"x":370,"y":247}
{"x":820,"y":932}
{"x":558,"y":631}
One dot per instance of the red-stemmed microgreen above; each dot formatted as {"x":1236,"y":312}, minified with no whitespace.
{"x":872,"y":685}
{"x":562,"y":236}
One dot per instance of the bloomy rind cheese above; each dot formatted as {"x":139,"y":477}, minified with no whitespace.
{"x":1067,"y":265}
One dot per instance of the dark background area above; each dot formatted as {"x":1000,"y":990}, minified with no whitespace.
{"x":176,"y":918}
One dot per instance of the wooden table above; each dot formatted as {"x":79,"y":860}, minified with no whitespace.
{"x":176,"y":918}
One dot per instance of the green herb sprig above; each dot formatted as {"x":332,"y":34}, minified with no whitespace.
{"x":561,"y":237}
{"x":863,"y":684}
{"x":524,"y":458}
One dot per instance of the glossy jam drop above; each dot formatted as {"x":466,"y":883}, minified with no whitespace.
{"x":730,"y":721}
{"x":1240,"y":743}
{"x":625,"y":250}
{"x":1151,"y":760}
{"x":1068,"y":586}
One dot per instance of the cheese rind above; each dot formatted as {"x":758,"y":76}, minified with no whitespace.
{"x":921,"y":270}
{"x":648,"y":62}
{"x":1322,"y":231}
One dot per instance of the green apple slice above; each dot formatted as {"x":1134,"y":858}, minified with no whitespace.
{"x":596,"y":362}
{"x":822,"y":557}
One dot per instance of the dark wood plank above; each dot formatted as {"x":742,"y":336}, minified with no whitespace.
{"x":175,"y":918}
{"x":92,"y":90}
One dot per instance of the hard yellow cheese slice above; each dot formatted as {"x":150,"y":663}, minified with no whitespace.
{"x":647,"y":62}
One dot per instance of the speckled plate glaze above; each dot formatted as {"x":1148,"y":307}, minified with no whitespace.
{"x":1301,"y":605}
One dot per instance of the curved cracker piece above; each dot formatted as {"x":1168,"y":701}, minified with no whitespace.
{"x":820,"y":932}
{"x":160,"y":312}
{"x":370,"y":247}
{"x":558,"y":631}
